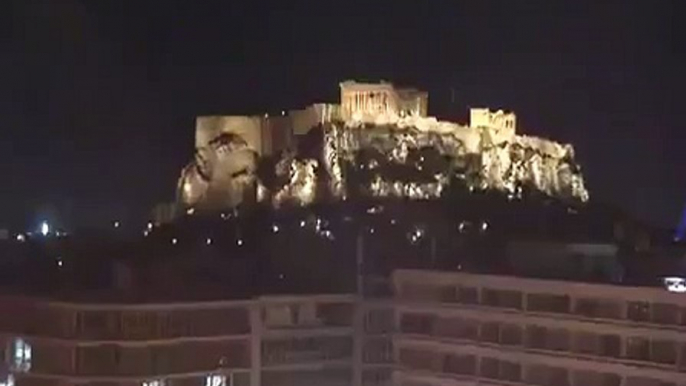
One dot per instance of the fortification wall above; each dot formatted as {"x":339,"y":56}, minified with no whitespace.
{"x":247,"y":127}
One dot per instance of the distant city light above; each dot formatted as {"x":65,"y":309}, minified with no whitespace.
{"x":190,"y":211}
{"x":174,"y":241}
{"x":116,"y":224}
{"x":44,"y":228}
{"x":275,"y":228}
{"x":327,"y":234}
{"x":208,"y":241}
{"x":302,"y":223}
{"x":149,"y":225}
{"x":375,"y":209}
{"x":675,"y":284}
{"x":416,"y":235}
{"x":21,"y":238}
{"x":239,"y":242}
{"x":146,"y":233}
{"x":59,"y":262}
{"x":484,"y":226}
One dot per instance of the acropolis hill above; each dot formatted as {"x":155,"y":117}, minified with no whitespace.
{"x":379,"y":142}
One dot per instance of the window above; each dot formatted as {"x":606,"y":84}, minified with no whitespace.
{"x":662,"y":351}
{"x":610,"y":345}
{"x":489,"y":368}
{"x":216,"y":380}
{"x":421,"y":292}
{"x":378,"y":351}
{"x":641,"y":381}
{"x":456,"y":328}
{"x":21,"y":355}
{"x":638,"y":348}
{"x":547,"y":376}
{"x":417,"y":324}
{"x":638,"y":311}
{"x":467,"y":295}
{"x":416,"y":359}
{"x":379,"y":321}
{"x":9,"y":381}
{"x":548,"y":303}
{"x":510,"y":371}
{"x":490,"y":331}
{"x":459,"y":364}
{"x":598,"y":308}
{"x":376,"y":377}
{"x":536,"y":336}
{"x":500,"y":369}
{"x":501,"y":298}
{"x":585,"y":343}
{"x":511,"y":334}
{"x":592,"y":378}
{"x":155,"y":382}
{"x":449,"y":294}
{"x":557,"y":339}
{"x":281,"y":315}
{"x":665,"y":313}
{"x":682,"y":360}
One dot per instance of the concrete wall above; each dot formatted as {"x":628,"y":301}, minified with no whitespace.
{"x":249,"y":128}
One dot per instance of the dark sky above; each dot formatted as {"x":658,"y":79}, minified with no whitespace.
{"x":98,"y":98}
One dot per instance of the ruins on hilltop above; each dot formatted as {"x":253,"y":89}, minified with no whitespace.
{"x":378,"y":142}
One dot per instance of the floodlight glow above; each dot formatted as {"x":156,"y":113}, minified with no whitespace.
{"x":44,"y":228}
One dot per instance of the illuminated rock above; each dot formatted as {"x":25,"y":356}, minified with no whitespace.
{"x":222,"y":175}
{"x":379,"y":143}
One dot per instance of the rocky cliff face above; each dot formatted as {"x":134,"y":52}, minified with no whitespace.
{"x":389,"y":157}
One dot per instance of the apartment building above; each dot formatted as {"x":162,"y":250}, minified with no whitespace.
{"x":280,"y":340}
{"x":467,"y":329}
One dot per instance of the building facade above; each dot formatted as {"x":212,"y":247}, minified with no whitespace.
{"x":269,"y":341}
{"x":441,"y":328}
{"x":463,"y":329}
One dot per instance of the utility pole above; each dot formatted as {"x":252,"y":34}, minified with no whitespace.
{"x":358,"y":319}
{"x":359,"y":263}
{"x":433,"y":251}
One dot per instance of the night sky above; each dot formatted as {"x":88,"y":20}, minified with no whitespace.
{"x":98,"y":98}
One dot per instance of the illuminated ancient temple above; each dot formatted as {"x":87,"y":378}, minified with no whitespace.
{"x":376,"y":128}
